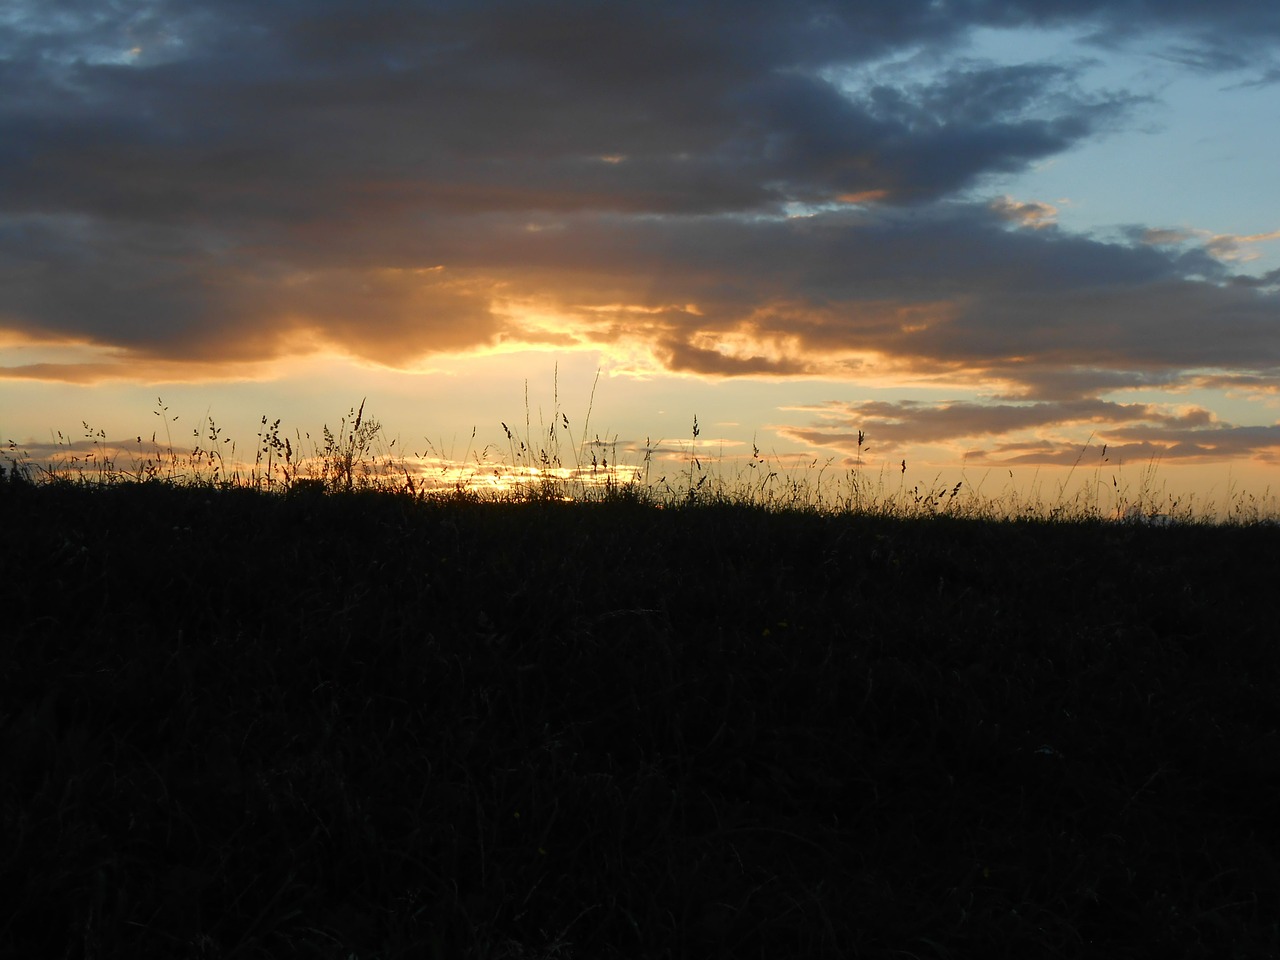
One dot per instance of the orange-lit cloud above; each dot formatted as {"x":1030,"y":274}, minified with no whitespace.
{"x":1237,"y":246}
{"x":1220,"y":246}
{"x":1029,"y":213}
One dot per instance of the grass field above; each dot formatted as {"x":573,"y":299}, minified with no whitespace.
{"x":338,"y":719}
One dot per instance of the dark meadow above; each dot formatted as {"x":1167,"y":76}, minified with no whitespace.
{"x":365,"y":723}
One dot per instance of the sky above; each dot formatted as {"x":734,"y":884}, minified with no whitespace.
{"x":988,"y":238}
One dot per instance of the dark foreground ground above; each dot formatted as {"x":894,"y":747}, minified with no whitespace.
{"x":234,"y":725}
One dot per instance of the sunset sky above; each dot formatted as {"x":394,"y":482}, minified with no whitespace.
{"x":982,"y":233}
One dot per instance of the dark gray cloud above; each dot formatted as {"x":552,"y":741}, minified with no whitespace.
{"x":277,"y":115}
{"x":230,"y":181}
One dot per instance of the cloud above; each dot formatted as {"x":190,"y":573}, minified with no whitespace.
{"x":1268,"y":77}
{"x":1033,"y":214}
{"x":1038,"y":433}
{"x":239,"y":181}
{"x":1219,"y":246}
{"x":187,"y":186}
{"x":1226,"y":246}
{"x":682,"y":356}
{"x":1162,"y":236}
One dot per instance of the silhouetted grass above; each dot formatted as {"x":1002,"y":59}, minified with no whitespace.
{"x":336,"y":720}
